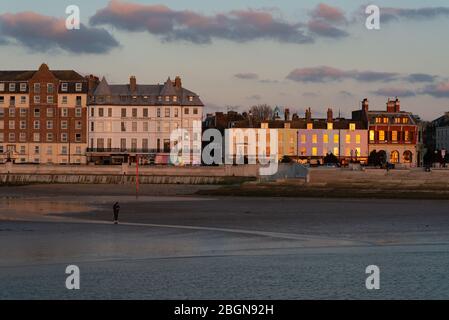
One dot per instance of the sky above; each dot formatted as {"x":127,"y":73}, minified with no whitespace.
{"x":238,"y":53}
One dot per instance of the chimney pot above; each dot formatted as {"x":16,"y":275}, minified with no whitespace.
{"x":133,"y":84}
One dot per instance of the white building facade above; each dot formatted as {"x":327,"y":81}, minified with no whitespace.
{"x":130,"y":122}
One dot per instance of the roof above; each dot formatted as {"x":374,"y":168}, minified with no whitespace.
{"x":390,"y":115}
{"x":338,"y":124}
{"x":25,"y":75}
{"x":119,"y":94}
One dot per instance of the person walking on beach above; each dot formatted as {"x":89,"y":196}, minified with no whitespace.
{"x":116,"y":209}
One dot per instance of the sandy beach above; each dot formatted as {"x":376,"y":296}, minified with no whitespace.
{"x":174,"y":244}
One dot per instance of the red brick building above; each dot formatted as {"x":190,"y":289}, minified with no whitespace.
{"x":43,"y":116}
{"x":391,"y":131}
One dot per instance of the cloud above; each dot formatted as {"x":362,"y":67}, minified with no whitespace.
{"x":247,"y":76}
{"x":345,"y":93}
{"x":309,"y":95}
{"x":324,"y":19}
{"x":316,"y":74}
{"x":328,"y":13}
{"x":269,"y":81}
{"x":440,"y":90}
{"x":325,"y":29}
{"x":255,"y":97}
{"x":371,"y":76}
{"x":394,"y":92}
{"x":174,"y":25}
{"x":420,"y":77}
{"x":43,"y":33}
{"x":323,"y":74}
{"x":390,"y":14}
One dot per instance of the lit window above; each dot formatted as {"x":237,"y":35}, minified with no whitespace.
{"x":394,"y":135}
{"x":336,"y":138}
{"x":357,"y":139}
{"x":352,"y":126}
{"x":314,"y":138}
{"x":406,"y":135}
{"x":325,"y":138}
{"x":381,"y":135}
{"x":371,"y":135}
{"x":348,"y":138}
{"x":330,"y":126}
{"x":309,"y":126}
{"x":314,"y":151}
{"x":303,"y":138}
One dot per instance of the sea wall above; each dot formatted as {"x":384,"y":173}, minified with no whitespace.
{"x":379,"y":177}
{"x":124,"y":174}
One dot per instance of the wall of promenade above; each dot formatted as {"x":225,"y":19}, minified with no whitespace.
{"x":23,"y":174}
{"x":414,"y":177}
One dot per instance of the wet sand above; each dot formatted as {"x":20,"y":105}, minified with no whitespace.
{"x":174,"y":244}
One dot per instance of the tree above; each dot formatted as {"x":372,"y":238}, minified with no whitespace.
{"x":261,"y":112}
{"x":330,"y":158}
{"x":372,"y":158}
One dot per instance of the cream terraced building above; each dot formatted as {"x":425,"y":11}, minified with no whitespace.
{"x":131,"y":121}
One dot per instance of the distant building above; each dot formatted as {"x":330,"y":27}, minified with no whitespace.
{"x":43,"y":116}
{"x":133,"y":120}
{"x":346,"y":139}
{"x":310,"y":140}
{"x":438,"y":133}
{"x":392,"y":132}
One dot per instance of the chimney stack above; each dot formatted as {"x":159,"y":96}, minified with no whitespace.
{"x":178,"y":83}
{"x":397,"y":105}
{"x":391,"y":105}
{"x":133,"y":84}
{"x":308,"y":114}
{"x":330,"y":115}
{"x":365,"y":105}
{"x":287,"y":114}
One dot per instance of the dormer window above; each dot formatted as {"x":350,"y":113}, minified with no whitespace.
{"x":330,"y":126}
{"x":159,"y":98}
{"x":12,"y":87}
{"x":167,"y":98}
{"x":64,"y":86}
{"x":23,"y":87}
{"x":78,"y":86}
{"x":309,"y":126}
{"x":2,"y":86}
{"x":175,"y":98}
{"x":352,"y":126}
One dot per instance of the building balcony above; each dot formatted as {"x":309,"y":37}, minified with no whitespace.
{"x":123,"y":150}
